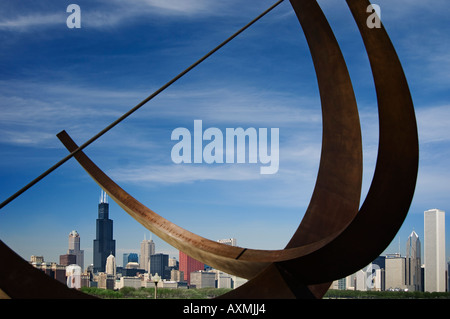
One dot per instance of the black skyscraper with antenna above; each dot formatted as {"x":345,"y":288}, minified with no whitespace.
{"x":104,"y":244}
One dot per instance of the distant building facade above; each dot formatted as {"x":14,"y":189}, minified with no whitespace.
{"x":187,"y":265}
{"x":413,"y":263}
{"x":130,"y":257}
{"x":159,"y":264}
{"x":37,"y":259}
{"x":105,"y":281}
{"x":74,"y":248}
{"x":395,"y":277}
{"x":176,"y":275}
{"x":53,"y":270}
{"x":111,"y":265}
{"x":228,"y":241}
{"x":434,"y":250}
{"x":203,"y":279}
{"x":67,"y":259}
{"x":147,"y":249}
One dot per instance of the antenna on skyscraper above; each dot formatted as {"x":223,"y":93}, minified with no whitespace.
{"x":103,"y":197}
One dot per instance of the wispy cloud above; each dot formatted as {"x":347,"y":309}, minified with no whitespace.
{"x":172,"y":7}
{"x":404,"y":9}
{"x":198,"y":8}
{"x":173,"y":174}
{"x":26,"y":105}
{"x":34,"y":112}
{"x":28,"y":137}
{"x":103,"y":14}
{"x":433,"y":123}
{"x":239,"y":105}
{"x":433,"y":183}
{"x":32,"y":21}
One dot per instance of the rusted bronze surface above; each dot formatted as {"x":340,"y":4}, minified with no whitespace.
{"x":334,"y":239}
{"x":391,"y":192}
{"x":20,"y":280}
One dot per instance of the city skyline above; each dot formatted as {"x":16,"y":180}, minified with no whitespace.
{"x":400,"y":272}
{"x":413,"y":248}
{"x":54,"y":78}
{"x":410,"y":272}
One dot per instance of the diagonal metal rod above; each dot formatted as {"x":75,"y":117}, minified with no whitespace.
{"x":131,"y":111}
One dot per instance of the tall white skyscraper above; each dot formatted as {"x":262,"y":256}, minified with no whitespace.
{"x":434,"y":250}
{"x":110,"y":267}
{"x":147,"y":249}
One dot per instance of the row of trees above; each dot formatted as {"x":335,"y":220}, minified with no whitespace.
{"x":162,"y":293}
{"x":207,"y":293}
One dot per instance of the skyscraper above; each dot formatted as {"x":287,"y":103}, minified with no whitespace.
{"x":159,"y":263}
{"x":147,"y":249}
{"x":188,"y":265}
{"x":434,"y":250}
{"x":111,"y":265}
{"x":413,"y":263}
{"x":395,"y":276}
{"x":74,"y":248}
{"x":104,"y":244}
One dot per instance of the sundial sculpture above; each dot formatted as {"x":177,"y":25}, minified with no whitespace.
{"x":336,"y":235}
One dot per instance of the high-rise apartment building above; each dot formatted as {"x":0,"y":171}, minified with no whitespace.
{"x":104,"y":244}
{"x":395,"y":275}
{"x":413,"y":263}
{"x":187,"y":264}
{"x":159,"y":264}
{"x":74,"y":248}
{"x":111,"y":265}
{"x":434,"y":250}
{"x":147,"y":249}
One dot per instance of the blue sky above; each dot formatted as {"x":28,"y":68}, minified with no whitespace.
{"x":82,"y":79}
